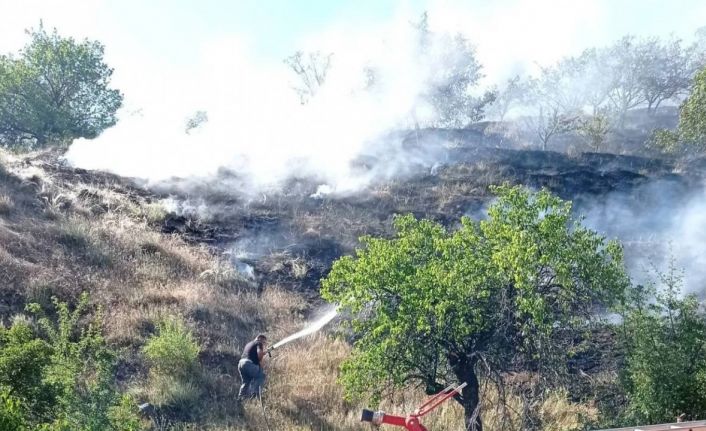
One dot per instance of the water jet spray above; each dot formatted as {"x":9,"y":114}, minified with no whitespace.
{"x":313,"y":327}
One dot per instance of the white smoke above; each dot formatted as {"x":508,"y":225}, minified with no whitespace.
{"x":256,"y":126}
{"x":657,"y":222}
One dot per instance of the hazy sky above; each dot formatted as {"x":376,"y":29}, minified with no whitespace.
{"x":174,"y":32}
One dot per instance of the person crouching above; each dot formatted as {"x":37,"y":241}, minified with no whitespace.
{"x":250,"y":368}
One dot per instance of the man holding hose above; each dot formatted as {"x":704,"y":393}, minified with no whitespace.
{"x":250,"y":368}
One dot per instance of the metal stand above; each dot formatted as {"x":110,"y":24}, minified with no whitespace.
{"x":411,"y":422}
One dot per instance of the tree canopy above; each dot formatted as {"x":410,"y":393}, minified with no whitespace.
{"x":690,"y":136}
{"x":56,"y":89}
{"x":436,"y":305}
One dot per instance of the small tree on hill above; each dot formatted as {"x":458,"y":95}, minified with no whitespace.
{"x":667,"y":70}
{"x":690,"y":136}
{"x":453,"y":73}
{"x":594,"y":130}
{"x":664,"y":335}
{"x":57,"y":89}
{"x":436,"y":306}
{"x":311,"y":69}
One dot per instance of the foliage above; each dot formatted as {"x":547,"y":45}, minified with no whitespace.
{"x":11,"y":412}
{"x":122,"y":415}
{"x":514,"y":92}
{"x":594,"y":130}
{"x":173,"y":358}
{"x":56,"y":89}
{"x":174,"y":351}
{"x":549,"y":122}
{"x":664,"y":335}
{"x":64,"y":379}
{"x":454,"y":73}
{"x":666,"y":70}
{"x":690,"y":136}
{"x":692,"y":119}
{"x":440,"y":305}
{"x":22,"y":360}
{"x":627,"y":74}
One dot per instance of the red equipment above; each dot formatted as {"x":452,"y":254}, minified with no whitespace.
{"x":411,"y":422}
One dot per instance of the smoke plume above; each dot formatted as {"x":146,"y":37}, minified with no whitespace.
{"x":659,"y":221}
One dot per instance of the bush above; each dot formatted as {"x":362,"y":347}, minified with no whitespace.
{"x":23,"y":357}
{"x":174,"y":381}
{"x":122,"y":416}
{"x":62,"y":380}
{"x":664,"y":335}
{"x":174,"y":351}
{"x":11,"y":414}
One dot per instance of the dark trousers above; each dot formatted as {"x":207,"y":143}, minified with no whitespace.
{"x":253,"y":378}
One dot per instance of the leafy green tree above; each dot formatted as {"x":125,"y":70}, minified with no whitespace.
{"x":56,"y":89}
{"x":690,"y":136}
{"x":436,"y":306}
{"x":664,"y":335}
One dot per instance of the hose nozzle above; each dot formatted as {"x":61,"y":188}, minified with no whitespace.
{"x":373,"y":417}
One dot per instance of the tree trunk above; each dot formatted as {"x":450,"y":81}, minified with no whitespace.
{"x":464,"y":369}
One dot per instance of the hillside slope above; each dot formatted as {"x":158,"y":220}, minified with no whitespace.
{"x":233,"y":265}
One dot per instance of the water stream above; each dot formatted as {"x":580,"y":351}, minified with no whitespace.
{"x":310,"y":329}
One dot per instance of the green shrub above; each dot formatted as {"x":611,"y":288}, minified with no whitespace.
{"x":11,"y":414}
{"x":174,"y":380}
{"x":122,"y":416}
{"x":173,"y":351}
{"x":23,"y":357}
{"x":62,"y":380}
{"x":664,"y":335}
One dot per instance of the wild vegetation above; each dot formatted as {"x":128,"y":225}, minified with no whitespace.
{"x":114,"y":296}
{"x":477,"y":303}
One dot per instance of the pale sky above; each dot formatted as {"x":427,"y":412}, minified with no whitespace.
{"x":161,"y":37}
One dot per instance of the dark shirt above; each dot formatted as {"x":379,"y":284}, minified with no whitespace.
{"x":250,"y":351}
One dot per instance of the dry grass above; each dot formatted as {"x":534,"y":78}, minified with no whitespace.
{"x":65,"y":236}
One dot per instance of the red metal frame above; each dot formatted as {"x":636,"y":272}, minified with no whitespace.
{"x":411,"y":422}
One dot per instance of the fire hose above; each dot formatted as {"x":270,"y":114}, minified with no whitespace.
{"x":411,"y":421}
